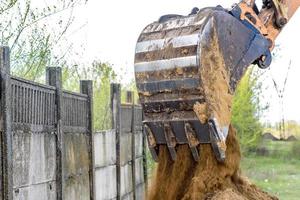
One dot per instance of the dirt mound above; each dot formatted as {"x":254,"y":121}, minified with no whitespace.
{"x":207,"y":179}
{"x":228,"y":194}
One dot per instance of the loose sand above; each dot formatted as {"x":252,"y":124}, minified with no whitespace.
{"x":207,"y":179}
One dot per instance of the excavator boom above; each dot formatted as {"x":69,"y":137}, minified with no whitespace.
{"x":187,"y":69}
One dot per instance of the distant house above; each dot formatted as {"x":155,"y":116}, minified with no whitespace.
{"x":269,"y":136}
{"x":291,"y":138}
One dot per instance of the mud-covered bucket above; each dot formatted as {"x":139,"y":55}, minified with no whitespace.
{"x":183,"y":65}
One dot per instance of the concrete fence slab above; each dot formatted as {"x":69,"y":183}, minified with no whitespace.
{"x":126,"y":179}
{"x":138,"y":143}
{"x":34,"y":158}
{"x":139,"y":173}
{"x":125,"y":148}
{"x":105,"y":183}
{"x":104,"y":151}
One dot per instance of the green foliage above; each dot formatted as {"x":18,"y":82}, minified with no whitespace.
{"x":151,"y":164}
{"x":292,"y":128}
{"x":33,"y":65}
{"x":70,"y":78}
{"x":129,"y":87}
{"x":102,"y":75}
{"x":36,"y":34}
{"x":246,"y":111}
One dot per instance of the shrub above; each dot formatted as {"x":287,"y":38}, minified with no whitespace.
{"x":246,"y":110}
{"x":296,"y":149}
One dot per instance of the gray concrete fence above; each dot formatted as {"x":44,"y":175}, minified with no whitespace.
{"x":49,"y":150}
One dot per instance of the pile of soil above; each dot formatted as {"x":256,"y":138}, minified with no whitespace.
{"x":207,"y":179}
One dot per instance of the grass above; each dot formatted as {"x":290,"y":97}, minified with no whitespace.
{"x":278,"y":173}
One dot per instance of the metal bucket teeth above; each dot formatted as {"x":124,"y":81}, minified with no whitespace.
{"x":173,"y":133}
{"x":192,"y":140}
{"x":218,"y":140}
{"x":171,"y":140}
{"x":152,"y":143}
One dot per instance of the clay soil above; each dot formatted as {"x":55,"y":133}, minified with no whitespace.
{"x":207,"y":179}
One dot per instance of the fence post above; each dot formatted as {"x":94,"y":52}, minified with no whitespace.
{"x":129,"y":96}
{"x":115,"y":95}
{"x":145,"y":168}
{"x":86,"y":87}
{"x":54,"y":78}
{"x":6,"y":187}
{"x":129,"y":99}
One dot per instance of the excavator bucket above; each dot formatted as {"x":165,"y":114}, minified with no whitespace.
{"x":187,"y":69}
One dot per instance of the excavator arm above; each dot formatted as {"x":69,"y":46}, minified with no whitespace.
{"x":271,"y":19}
{"x":275,"y":14}
{"x":187,"y":69}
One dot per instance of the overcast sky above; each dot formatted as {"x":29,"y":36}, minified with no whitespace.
{"x":114,"y":26}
